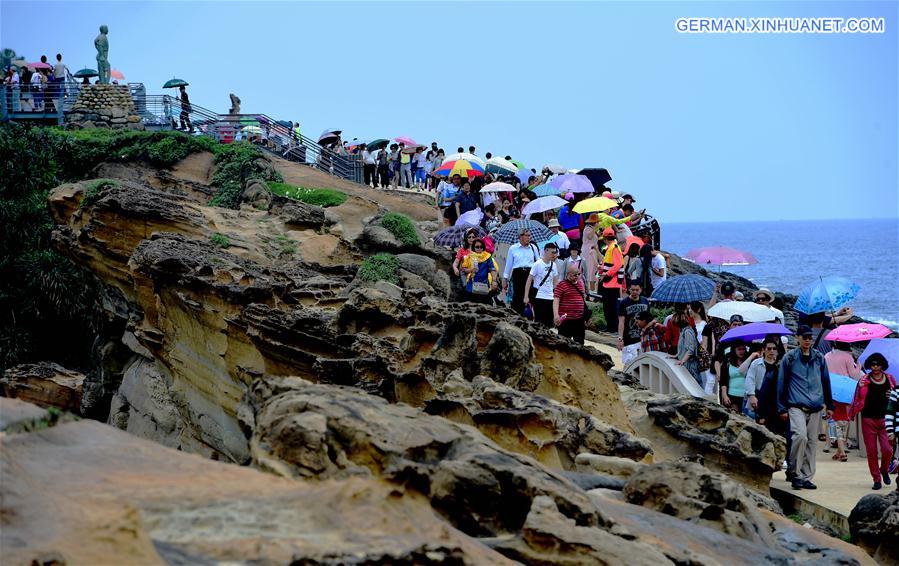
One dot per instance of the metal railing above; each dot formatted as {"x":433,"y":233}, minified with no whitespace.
{"x":166,"y":112}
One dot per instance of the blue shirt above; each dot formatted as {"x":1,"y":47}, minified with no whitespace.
{"x":804,"y":382}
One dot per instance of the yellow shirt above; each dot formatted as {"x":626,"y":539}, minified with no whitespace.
{"x":606,"y":221}
{"x":405,"y":158}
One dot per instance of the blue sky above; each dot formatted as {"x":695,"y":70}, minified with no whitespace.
{"x":698,"y":127}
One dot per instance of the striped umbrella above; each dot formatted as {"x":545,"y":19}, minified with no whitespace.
{"x":509,"y":232}
{"x":467,"y":157}
{"x":684,"y":289}
{"x":461,"y":167}
{"x":452,"y":237}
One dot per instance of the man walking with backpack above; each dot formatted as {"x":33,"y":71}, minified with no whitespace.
{"x":802,"y":391}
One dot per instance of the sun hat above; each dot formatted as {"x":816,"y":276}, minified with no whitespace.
{"x":592,"y":219}
{"x":553,"y":223}
{"x":738,"y":296}
{"x":608,"y":233}
{"x":765,"y":292}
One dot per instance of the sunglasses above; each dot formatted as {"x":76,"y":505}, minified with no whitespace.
{"x":770,"y":348}
{"x":476,"y":248}
{"x":805,"y":337}
{"x":872,"y":363}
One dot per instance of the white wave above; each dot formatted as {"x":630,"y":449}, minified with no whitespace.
{"x":893,"y":324}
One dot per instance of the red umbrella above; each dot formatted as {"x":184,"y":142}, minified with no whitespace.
{"x":117,"y":74}
{"x":720,"y":256}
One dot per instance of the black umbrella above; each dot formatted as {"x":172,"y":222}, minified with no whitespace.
{"x":598,"y":177}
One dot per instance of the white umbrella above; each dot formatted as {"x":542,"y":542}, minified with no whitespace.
{"x":502,"y":164}
{"x":557,"y":169}
{"x":472,"y":217}
{"x":543,"y":204}
{"x":498,"y":188}
{"x":751,"y":312}
{"x":467,"y":157}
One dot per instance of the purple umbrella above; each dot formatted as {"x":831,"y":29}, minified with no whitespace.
{"x":543,"y":204}
{"x":754,"y":331}
{"x":720,"y":255}
{"x":525,"y":174}
{"x":888,"y":348}
{"x":571,"y":183}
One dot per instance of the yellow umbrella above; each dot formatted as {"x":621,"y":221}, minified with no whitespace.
{"x":595,"y":204}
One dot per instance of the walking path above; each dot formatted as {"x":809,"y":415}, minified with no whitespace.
{"x":840,"y":484}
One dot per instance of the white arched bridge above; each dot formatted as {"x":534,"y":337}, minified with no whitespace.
{"x":658,"y":372}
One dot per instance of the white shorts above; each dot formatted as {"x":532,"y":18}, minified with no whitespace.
{"x":628,"y":353}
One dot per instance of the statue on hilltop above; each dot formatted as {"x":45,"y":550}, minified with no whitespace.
{"x":235,"y":104}
{"x":102,"y":45}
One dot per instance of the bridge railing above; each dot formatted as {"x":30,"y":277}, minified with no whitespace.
{"x":658,"y":373}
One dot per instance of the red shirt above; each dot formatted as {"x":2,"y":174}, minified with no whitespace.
{"x":571,"y":298}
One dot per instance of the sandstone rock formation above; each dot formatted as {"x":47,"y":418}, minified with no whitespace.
{"x":44,"y":384}
{"x":727,"y":442}
{"x":376,"y":400}
{"x":874,"y":525}
{"x":124,"y":500}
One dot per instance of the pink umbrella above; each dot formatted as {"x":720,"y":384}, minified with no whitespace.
{"x":858,"y":332}
{"x":117,"y":74}
{"x":405,"y":140}
{"x":40,"y":65}
{"x":720,"y":256}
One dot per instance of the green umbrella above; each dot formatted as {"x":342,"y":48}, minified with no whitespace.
{"x":86,"y":73}
{"x":175,"y":83}
{"x":518,"y":164}
{"x":377,"y":144}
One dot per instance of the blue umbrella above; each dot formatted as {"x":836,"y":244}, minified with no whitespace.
{"x":754,"y":331}
{"x":842,"y":388}
{"x":545,"y":190}
{"x":684,"y":289}
{"x":508,"y":234}
{"x":826,"y":294}
{"x":887,"y":347}
{"x":525,"y":174}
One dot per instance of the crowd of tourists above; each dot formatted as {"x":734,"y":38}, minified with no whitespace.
{"x":596,"y":257}
{"x":35,"y":87}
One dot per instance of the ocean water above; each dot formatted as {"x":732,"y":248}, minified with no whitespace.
{"x":792,"y":254}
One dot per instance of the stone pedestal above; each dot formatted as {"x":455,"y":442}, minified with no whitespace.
{"x":104,"y":106}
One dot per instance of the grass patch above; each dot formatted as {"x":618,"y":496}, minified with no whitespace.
{"x":220,"y":240}
{"x":229,"y":160}
{"x":380,"y":267}
{"x":597,"y":321}
{"x":92,"y":191}
{"x":286,"y":246}
{"x":402,"y":227}
{"x":318,"y":197}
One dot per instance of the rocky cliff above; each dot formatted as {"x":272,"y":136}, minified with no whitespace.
{"x":404,"y":428}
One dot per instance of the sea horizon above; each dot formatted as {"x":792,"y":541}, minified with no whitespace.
{"x":789,"y":258}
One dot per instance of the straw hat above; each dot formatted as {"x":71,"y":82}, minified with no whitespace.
{"x":765,"y":292}
{"x":553,"y":223}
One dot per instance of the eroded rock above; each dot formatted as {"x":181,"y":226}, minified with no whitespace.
{"x":874,"y":525}
{"x":45,"y":384}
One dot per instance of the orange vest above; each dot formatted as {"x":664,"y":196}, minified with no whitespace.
{"x":613,"y":267}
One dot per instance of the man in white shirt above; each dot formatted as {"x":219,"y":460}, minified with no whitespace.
{"x":543,"y":276}
{"x":369,"y":167}
{"x":659,"y":272}
{"x":519,"y":259}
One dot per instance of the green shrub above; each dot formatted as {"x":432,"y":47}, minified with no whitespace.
{"x":597,"y":320}
{"x":229,"y":159}
{"x":92,"y":191}
{"x":220,"y":240}
{"x":379,"y":267}
{"x":79,"y":151}
{"x":402,"y":227}
{"x":660,"y":313}
{"x":318,"y":197}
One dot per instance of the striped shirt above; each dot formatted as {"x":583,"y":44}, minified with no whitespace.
{"x":571,"y":298}
{"x":892,"y":416}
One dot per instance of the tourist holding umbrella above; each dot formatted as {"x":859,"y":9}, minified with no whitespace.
{"x":840,"y":362}
{"x":871,"y":398}
{"x":761,"y":385}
